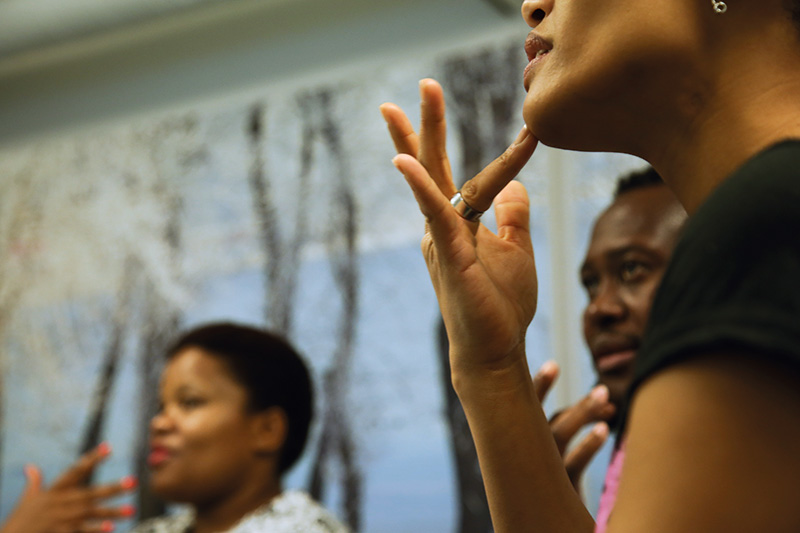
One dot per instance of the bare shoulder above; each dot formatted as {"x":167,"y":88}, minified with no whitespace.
{"x":712,"y":445}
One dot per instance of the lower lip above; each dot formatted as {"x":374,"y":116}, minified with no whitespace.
{"x":157,"y":458}
{"x":529,"y":68}
{"x":614,"y":361}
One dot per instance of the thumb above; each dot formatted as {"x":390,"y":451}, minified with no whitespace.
{"x":33,"y":475}
{"x":512,"y":212}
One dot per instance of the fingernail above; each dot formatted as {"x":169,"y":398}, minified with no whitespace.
{"x":104,"y":449}
{"x":107,"y":526}
{"x":28,"y":470}
{"x":549,"y":366}
{"x":128,"y":482}
{"x":127,"y":510}
{"x":394,"y":162}
{"x":601,"y":430}
{"x":522,"y":134}
{"x":600,"y":394}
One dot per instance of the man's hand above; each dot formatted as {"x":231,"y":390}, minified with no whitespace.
{"x":565,"y":424}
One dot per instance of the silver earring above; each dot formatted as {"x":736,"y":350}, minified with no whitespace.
{"x":720,"y":7}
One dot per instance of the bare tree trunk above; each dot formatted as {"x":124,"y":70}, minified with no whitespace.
{"x":282,"y":256}
{"x":100,"y":399}
{"x":485,"y":106}
{"x":159,"y":329}
{"x":337,"y":441}
{"x":161,"y":322}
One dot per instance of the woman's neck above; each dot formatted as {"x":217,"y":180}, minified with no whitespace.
{"x":752,"y":105}
{"x":223,"y":514}
{"x":694,"y":166}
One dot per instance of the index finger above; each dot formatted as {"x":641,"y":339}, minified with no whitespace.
{"x":110,"y":490}
{"x":479,"y":192}
{"x":401,"y":131}
{"x":544,"y":378}
{"x":80,"y":471}
{"x":594,"y":407}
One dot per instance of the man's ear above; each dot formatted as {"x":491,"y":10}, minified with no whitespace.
{"x":270,"y":428}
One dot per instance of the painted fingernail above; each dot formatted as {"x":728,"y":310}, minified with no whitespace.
{"x":104,"y":449}
{"x":128,"y":482}
{"x":107,"y":526}
{"x":127,"y":510}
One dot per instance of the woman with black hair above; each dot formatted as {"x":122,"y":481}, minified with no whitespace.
{"x":707,"y":92}
{"x":236,"y":405}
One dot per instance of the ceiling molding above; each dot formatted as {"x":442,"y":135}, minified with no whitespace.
{"x":506,"y":7}
{"x":27,"y":25}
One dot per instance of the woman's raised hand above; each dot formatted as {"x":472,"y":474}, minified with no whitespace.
{"x":485,"y":283}
{"x":69,"y":505}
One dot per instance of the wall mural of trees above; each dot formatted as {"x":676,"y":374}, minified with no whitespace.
{"x":281,"y":210}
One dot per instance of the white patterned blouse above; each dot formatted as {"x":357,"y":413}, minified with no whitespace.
{"x":291,"y":512}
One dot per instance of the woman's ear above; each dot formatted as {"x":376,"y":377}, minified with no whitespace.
{"x":270,"y":428}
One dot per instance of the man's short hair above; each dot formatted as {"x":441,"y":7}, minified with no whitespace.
{"x":646,"y":177}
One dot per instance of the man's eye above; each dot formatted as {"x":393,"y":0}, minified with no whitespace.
{"x":590,"y":284}
{"x":632,"y":270}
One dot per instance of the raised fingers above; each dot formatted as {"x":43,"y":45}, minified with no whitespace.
{"x":594,"y":407}
{"x":479,"y":192}
{"x":433,"y":136}
{"x":436,"y":208}
{"x":80,"y":471}
{"x":544,"y":378}
{"x":110,"y":490}
{"x":98,"y":526}
{"x":33,"y":476}
{"x":401,"y":131}
{"x":512,"y":214}
{"x":579,"y":457}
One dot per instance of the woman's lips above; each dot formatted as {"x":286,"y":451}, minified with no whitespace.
{"x":536,"y":47}
{"x":158,"y":456}
{"x":614,"y":360}
{"x":526,"y":74}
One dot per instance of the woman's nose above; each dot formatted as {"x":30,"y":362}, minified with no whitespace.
{"x":534,"y":11}
{"x":160,"y":423}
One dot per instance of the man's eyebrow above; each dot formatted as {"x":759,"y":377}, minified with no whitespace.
{"x":619,"y":252}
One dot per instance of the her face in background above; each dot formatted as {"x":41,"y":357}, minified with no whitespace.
{"x":205,"y":442}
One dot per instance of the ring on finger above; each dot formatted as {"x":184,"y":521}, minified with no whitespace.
{"x":463,"y":209}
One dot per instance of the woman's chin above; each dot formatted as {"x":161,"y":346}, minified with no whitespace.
{"x":168,"y":489}
{"x":568,"y":130}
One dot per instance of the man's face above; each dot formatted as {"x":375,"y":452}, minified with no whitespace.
{"x":628,"y":253}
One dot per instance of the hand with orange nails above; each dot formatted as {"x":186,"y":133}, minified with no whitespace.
{"x":594,"y":408}
{"x":69,"y":505}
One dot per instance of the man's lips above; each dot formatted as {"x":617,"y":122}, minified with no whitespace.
{"x":612,"y":353}
{"x":614,"y":360}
